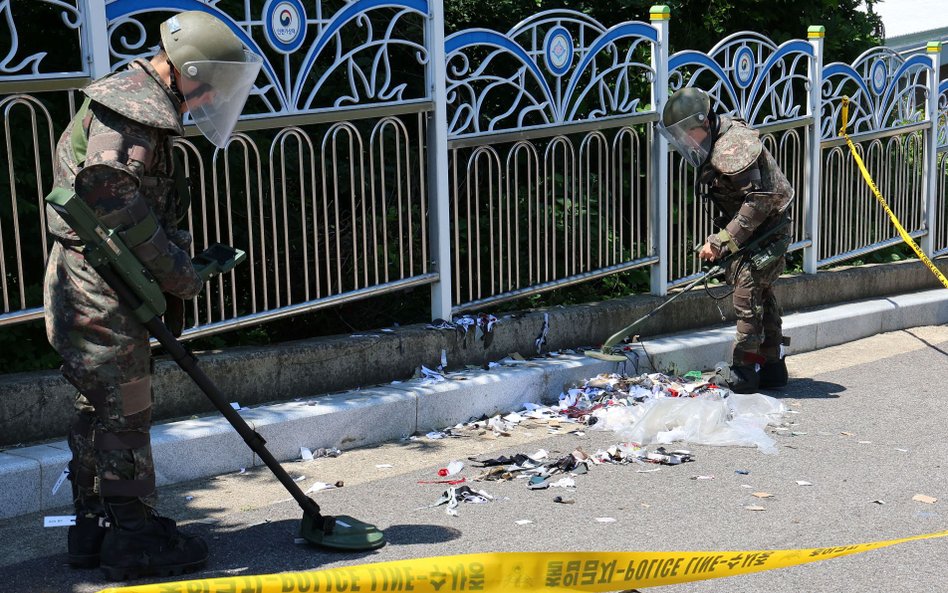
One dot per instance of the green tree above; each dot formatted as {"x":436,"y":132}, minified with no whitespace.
{"x":699,"y":24}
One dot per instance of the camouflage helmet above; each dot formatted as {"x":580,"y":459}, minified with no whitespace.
{"x":195,"y":36}
{"x":685,"y":103}
{"x":685,"y":124}
{"x":216,"y":73}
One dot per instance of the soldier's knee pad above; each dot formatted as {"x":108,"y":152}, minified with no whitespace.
{"x":122,"y":439}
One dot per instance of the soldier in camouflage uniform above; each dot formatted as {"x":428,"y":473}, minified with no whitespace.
{"x":126,"y":175}
{"x":751,"y":195}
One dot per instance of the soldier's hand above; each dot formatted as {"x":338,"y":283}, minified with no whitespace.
{"x":709,"y":252}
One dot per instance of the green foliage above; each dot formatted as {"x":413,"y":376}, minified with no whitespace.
{"x":699,"y":24}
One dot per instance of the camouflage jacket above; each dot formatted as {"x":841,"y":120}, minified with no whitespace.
{"x":127,"y":175}
{"x":745,"y":183}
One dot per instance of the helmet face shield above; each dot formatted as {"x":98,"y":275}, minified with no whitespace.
{"x":216,"y":91}
{"x":690,"y":137}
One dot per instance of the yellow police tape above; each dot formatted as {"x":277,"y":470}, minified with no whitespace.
{"x":875,"y":190}
{"x":502,"y":572}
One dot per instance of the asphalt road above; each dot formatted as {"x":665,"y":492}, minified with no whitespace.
{"x":870,"y":426}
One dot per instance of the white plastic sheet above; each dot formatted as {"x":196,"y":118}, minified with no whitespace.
{"x":739,"y":420}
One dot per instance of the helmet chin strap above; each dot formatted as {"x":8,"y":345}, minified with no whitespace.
{"x":174,"y":84}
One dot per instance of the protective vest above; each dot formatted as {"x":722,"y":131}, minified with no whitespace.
{"x":138,"y":95}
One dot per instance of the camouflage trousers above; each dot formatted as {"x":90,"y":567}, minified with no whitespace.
{"x":759,"y":323}
{"x":106,"y":356}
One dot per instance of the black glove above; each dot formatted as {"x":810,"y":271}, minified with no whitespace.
{"x":174,"y":315}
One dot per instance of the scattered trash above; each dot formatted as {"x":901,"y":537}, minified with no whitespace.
{"x":59,"y":521}
{"x":564,"y":483}
{"x":762,"y":495}
{"x":561,"y":500}
{"x":742,"y":472}
{"x":455,"y":495}
{"x":702,"y":477}
{"x":755,"y":508}
{"x":544,"y":330}
{"x":189,"y":498}
{"x":605,"y":519}
{"x":308,"y":454}
{"x":803,"y":483}
{"x":877,"y":501}
{"x":318,"y":486}
{"x":453,"y":468}
{"x":523,"y":521}
{"x":383,"y":465}
{"x":925,"y":498}
{"x":242,"y":471}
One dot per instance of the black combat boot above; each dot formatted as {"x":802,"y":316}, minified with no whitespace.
{"x":743,"y":376}
{"x":773,"y":373}
{"x":142,"y":543}
{"x":84,"y":539}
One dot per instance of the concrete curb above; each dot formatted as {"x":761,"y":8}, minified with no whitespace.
{"x":209,"y":446}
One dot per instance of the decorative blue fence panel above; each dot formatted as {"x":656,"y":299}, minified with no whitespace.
{"x":888,"y":124}
{"x":548,"y":133}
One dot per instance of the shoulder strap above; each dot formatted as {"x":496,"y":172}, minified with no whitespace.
{"x":79,"y":139}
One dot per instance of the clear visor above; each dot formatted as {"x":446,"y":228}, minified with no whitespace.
{"x":217,"y":92}
{"x":690,"y":137}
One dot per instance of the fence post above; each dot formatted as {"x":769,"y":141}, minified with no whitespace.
{"x":660,"y":15}
{"x":929,"y":180}
{"x":813,"y":166}
{"x":439,"y":203}
{"x":96,"y":36}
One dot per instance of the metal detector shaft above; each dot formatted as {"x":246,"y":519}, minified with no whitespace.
{"x":717,"y":269}
{"x":189,"y":364}
{"x":625,"y":331}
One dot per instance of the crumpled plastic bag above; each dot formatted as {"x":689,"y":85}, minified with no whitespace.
{"x":739,"y":420}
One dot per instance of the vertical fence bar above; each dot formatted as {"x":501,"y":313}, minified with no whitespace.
{"x":930,"y":164}
{"x":660,"y":15}
{"x":813,"y":164}
{"x":438,"y":197}
{"x":95,"y":37}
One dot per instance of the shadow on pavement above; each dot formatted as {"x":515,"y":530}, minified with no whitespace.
{"x":420,"y":534}
{"x":804,"y":388}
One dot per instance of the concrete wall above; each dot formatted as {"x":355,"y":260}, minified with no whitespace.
{"x":37,"y":406}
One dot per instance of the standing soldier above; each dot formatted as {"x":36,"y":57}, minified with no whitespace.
{"x":751,"y":195}
{"x":117,"y":157}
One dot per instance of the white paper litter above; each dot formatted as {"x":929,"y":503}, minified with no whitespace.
{"x":59,"y":521}
{"x":306,"y":454}
{"x":60,"y":480}
{"x":605,"y":520}
{"x":317,"y":486}
{"x":523,"y":521}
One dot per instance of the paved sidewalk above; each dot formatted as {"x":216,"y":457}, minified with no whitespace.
{"x":208,"y":446}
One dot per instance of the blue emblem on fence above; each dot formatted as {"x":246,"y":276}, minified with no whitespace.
{"x":744,"y":67}
{"x":284,"y":24}
{"x":558,"y":47}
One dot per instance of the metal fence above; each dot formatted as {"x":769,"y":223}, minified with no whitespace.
{"x":376,"y":155}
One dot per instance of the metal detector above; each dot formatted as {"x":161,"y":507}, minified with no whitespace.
{"x":609,"y":352}
{"x":106,"y":252}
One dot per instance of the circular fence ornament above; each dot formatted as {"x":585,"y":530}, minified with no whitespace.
{"x":558,"y":49}
{"x":879,"y":76}
{"x":744,"y":66}
{"x":284,"y":24}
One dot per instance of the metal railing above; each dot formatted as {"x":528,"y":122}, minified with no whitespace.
{"x":377,"y":155}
